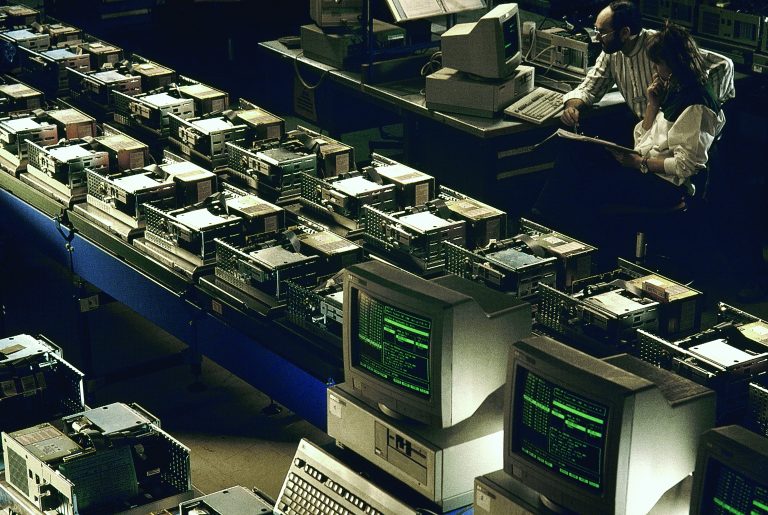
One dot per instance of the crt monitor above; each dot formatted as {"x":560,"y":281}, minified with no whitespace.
{"x":596,"y":436}
{"x":335,"y":13}
{"x":489,"y":48}
{"x":731,"y":473}
{"x":426,"y":350}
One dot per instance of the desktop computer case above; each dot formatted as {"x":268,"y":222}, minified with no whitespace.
{"x":453,"y":91}
{"x":15,"y":133}
{"x":440,"y":464}
{"x":19,"y":98}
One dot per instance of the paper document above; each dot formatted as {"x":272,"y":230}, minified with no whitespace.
{"x":404,"y":10}
{"x":457,"y":6}
{"x":411,"y":9}
{"x":597,"y":141}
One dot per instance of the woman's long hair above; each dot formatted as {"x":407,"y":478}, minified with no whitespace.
{"x":675,"y":46}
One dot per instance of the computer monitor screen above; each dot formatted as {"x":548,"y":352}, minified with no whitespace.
{"x":731,"y":473}
{"x":584,"y":432}
{"x":426,"y":350}
{"x":510,"y":30}
{"x":392,"y":344}
{"x":562,"y":429}
{"x":489,"y":48}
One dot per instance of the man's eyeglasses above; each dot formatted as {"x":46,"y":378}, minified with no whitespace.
{"x":598,"y":36}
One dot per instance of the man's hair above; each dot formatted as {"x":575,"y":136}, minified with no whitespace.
{"x":675,"y":46}
{"x":626,"y":14}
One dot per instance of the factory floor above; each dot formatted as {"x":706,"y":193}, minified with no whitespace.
{"x":233,"y":436}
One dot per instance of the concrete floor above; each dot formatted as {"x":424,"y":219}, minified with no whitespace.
{"x":231,"y":440}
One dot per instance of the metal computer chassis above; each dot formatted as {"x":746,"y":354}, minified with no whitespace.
{"x":343,"y":198}
{"x":602,"y":324}
{"x":272,"y":169}
{"x":721,"y":358}
{"x":415,"y":237}
{"x":574,"y":258}
{"x":61,"y":466}
{"x":506,"y":265}
{"x":318,"y":309}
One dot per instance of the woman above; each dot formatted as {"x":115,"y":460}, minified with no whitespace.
{"x":593,"y":199}
{"x":682,"y":118}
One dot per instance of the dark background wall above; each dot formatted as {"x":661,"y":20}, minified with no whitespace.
{"x":213,"y":41}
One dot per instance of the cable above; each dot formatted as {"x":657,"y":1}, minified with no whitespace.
{"x":550,"y":47}
{"x":532,"y":37}
{"x":433,"y":64}
{"x":301,"y":79}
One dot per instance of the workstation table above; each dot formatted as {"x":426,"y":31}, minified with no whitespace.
{"x":487,"y":158}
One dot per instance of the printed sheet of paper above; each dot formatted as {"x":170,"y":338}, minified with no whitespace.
{"x":404,"y":10}
{"x":595,"y":141}
{"x":412,"y":9}
{"x":457,"y":6}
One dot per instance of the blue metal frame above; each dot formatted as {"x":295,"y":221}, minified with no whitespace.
{"x":273,"y":374}
{"x":28,"y":226}
{"x":280,"y":379}
{"x":129,"y":286}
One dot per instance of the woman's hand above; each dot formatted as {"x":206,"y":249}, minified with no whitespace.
{"x":627,"y":159}
{"x":657,"y":89}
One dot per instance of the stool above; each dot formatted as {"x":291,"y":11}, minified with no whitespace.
{"x":650,"y":223}
{"x":653,"y":224}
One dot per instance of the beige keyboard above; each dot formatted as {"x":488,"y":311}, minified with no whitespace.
{"x":537,"y":106}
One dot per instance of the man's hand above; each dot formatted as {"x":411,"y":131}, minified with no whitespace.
{"x":570,"y":116}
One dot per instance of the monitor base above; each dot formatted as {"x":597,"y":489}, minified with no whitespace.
{"x":555,"y":508}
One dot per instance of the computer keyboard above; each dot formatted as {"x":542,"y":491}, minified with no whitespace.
{"x":537,"y":106}
{"x":318,"y":483}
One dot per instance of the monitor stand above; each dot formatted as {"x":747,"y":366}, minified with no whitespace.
{"x":440,"y":464}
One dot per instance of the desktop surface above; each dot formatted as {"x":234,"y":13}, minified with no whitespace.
{"x":406,"y":95}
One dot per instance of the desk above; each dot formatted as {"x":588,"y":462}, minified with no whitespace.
{"x":485,"y":158}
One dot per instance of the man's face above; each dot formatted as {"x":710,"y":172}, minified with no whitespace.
{"x":610,"y":38}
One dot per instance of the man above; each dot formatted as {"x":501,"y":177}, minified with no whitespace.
{"x":624,"y":62}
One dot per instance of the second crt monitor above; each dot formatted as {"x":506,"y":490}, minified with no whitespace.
{"x":489,"y":48}
{"x":598,"y":436}
{"x":731,"y":473}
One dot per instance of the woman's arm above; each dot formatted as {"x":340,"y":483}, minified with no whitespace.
{"x":657,"y":89}
{"x":689,"y":138}
{"x":653,"y":164}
